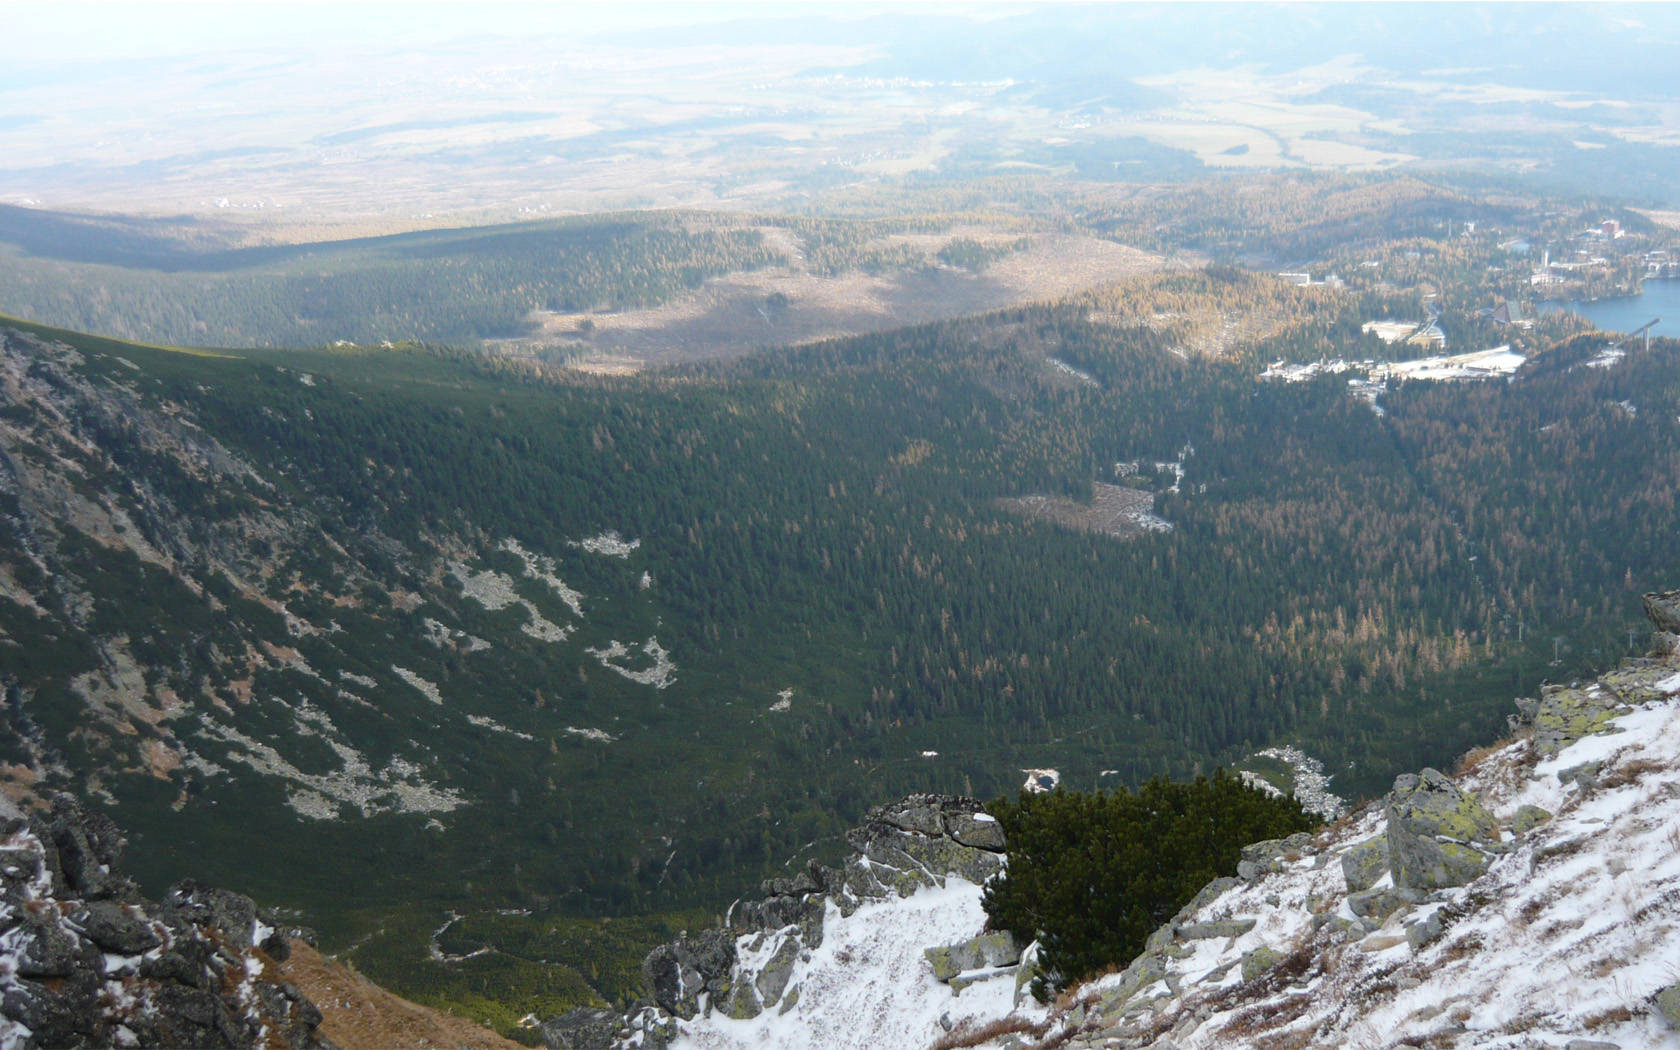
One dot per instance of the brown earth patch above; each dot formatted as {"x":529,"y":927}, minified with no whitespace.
{"x":788,"y":305}
{"x":1114,"y":510}
{"x":359,"y":1015}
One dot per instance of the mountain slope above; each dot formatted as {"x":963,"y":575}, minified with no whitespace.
{"x":1532,"y":901}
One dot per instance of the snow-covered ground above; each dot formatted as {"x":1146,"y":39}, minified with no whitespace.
{"x":869,"y":986}
{"x":1296,"y":373}
{"x":1482,"y":364}
{"x":1390,"y":331}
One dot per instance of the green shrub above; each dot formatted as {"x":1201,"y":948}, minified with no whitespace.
{"x":1092,"y":875}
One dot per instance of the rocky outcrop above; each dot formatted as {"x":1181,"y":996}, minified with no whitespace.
{"x":914,"y":843}
{"x":85,"y":960}
{"x":1364,"y":864}
{"x":988,"y":950}
{"x":582,"y":1029}
{"x":749,"y":965}
{"x":1446,"y":913}
{"x":1437,"y":835}
{"x":1662,"y":608}
{"x":683,"y":975}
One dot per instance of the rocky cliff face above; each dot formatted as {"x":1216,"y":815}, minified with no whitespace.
{"x":85,"y":961}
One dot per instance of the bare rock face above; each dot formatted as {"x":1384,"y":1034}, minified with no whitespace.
{"x":678,"y":974}
{"x":1437,"y":835}
{"x":85,"y":960}
{"x":914,"y":842}
{"x":581,"y":1029}
{"x":1662,"y":608}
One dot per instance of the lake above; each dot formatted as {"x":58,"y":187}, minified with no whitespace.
{"x":1661,"y":298}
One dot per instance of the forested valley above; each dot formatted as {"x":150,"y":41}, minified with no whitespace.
{"x":836,"y":526}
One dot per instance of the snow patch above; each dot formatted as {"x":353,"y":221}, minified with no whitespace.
{"x":485,"y":722}
{"x":599,"y":735}
{"x":318,"y":796}
{"x":1066,"y":369}
{"x":1312,"y":786}
{"x":609,"y":543}
{"x":1040,"y":780}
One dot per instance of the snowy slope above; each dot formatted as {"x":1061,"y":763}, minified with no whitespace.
{"x":1569,"y":935}
{"x":869,"y":985}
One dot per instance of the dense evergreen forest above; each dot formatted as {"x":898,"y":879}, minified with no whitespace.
{"x":443,"y":285}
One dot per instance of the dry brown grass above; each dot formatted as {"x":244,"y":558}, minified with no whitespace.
{"x":1630,"y":772}
{"x":1266,"y":1016}
{"x":1462,"y":948}
{"x":1614,"y":1015}
{"x":1472,"y":760}
{"x":968,"y":1035}
{"x":359,"y":1015}
{"x":726,"y":316}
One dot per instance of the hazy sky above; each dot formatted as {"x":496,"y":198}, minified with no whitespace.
{"x":53,"y":32}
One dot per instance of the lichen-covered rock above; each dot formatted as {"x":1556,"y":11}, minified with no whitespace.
{"x":1214,"y":929}
{"x":773,"y":978}
{"x":1585,"y":774}
{"x":922,"y":814}
{"x":1206,"y":895}
{"x":1257,"y":963}
{"x":1144,"y":971}
{"x":647,"y":1028}
{"x":905,"y":847}
{"x":1437,"y":835}
{"x":1260,"y":858}
{"x":1565,"y":714}
{"x":1425,"y":931}
{"x":977,"y":829}
{"x":989,"y":949}
{"x":1025,"y":972}
{"x":1378,"y":905}
{"x":116,"y":928}
{"x":1527,"y":818}
{"x":1364,"y":864}
{"x":1666,"y":1004}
